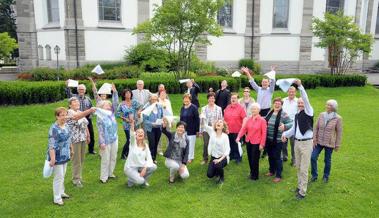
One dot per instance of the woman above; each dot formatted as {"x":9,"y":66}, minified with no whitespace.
{"x":108,"y":137}
{"x":79,"y":138}
{"x":246,"y":101}
{"x":190,"y":115}
{"x":128,"y":111}
{"x":218,"y":148}
{"x":177,"y":151}
{"x":152,"y":124}
{"x":139,"y":166}
{"x":60,"y":149}
{"x":98,"y":97}
{"x":327,"y":135}
{"x":255,"y":129}
{"x":234,"y":115}
{"x":277,"y":122}
{"x":211,"y":113}
{"x":165,"y":103}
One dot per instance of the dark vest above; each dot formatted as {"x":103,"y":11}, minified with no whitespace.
{"x":305,"y":122}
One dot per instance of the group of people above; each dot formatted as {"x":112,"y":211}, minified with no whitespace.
{"x":225,"y":124}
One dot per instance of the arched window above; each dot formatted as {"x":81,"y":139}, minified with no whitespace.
{"x":40,"y":52}
{"x":48,"y":52}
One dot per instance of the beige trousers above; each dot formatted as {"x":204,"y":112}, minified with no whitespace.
{"x":303,"y":152}
{"x":108,"y":160}
{"x":78,"y":161}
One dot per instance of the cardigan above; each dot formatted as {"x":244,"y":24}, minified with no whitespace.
{"x":173,"y":147}
{"x":191,"y":117}
{"x":328,"y":135}
{"x":138,"y":157}
{"x":256,"y":129}
{"x":217,"y":146}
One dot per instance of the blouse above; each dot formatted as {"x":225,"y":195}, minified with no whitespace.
{"x":78,"y":128}
{"x":60,"y":141}
{"x":125,"y":111}
{"x":234,"y":115}
{"x":138,"y":157}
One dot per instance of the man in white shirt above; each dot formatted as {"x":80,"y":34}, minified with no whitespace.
{"x":141,"y":95}
{"x":290,"y":107}
{"x":303,"y":132}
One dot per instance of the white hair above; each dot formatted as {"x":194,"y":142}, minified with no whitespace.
{"x":140,"y":81}
{"x":103,"y":102}
{"x":81,"y":86}
{"x":256,"y":105}
{"x":153,"y":95}
{"x":332,"y":103}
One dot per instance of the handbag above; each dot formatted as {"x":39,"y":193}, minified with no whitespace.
{"x":47,"y":169}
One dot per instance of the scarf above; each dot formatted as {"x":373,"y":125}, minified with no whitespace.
{"x":277,"y":122}
{"x":180,"y":140}
{"x":328,"y":117}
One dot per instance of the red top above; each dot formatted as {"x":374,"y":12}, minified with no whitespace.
{"x":256,"y":129}
{"x":233,"y":116}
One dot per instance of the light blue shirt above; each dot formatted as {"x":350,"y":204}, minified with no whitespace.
{"x":264,"y":96}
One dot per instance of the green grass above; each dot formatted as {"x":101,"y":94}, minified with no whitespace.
{"x":353,"y":190}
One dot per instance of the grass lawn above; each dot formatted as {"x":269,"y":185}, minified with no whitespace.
{"x":353,"y":189}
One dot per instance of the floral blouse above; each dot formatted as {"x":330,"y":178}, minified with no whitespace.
{"x":59,"y":140}
{"x":124,"y":110}
{"x":78,"y":127}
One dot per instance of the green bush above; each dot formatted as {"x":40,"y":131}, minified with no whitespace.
{"x":21,"y":92}
{"x":148,"y":57}
{"x":251,"y":64}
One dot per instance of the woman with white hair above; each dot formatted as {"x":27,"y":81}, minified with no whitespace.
{"x":108,"y":138}
{"x":327,"y":135}
{"x":255,"y":129}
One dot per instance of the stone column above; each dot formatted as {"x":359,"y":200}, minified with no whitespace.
{"x":250,"y":26}
{"x":74,"y":40}
{"x":27,"y":35}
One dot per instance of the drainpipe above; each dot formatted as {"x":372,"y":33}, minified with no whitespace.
{"x":76,"y":35}
{"x":252,"y":30}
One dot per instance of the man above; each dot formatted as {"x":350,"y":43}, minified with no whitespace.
{"x":290,"y":107}
{"x":264,"y":93}
{"x":85,"y":104}
{"x":303,"y":132}
{"x":193,"y":89}
{"x":141,"y":95}
{"x":223,"y":96}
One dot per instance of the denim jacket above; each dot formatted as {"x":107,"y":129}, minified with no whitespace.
{"x":149,"y":120}
{"x":59,"y":140}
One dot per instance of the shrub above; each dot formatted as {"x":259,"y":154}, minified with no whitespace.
{"x":148,"y":57}
{"x":251,"y":64}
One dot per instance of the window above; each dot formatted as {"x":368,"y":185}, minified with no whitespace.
{"x":53,"y":11}
{"x":281,"y":9}
{"x":225,"y":15}
{"x":40,"y":52}
{"x":48,"y":52}
{"x":332,"y":6}
{"x":110,"y":10}
{"x":377,"y":22}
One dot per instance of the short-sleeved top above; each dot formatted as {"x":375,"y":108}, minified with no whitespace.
{"x":77,"y":127}
{"x":124,"y":110}
{"x":59,"y":140}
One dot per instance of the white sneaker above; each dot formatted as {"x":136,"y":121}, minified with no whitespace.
{"x":160,"y":153}
{"x":64,"y":195}
{"x":146,"y":184}
{"x":59,"y":202}
{"x":78,"y":184}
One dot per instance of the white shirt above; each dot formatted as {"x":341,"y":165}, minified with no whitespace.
{"x":308,"y":109}
{"x":218,"y":145}
{"x":290,"y":107}
{"x":138,"y":157}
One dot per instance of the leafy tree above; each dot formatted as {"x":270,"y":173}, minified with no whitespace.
{"x":180,"y":24}
{"x":8,"y":20}
{"x":343,"y":39}
{"x":8,"y":44}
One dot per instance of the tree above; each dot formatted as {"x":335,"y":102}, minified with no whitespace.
{"x":343,"y":39}
{"x":8,"y":44}
{"x":180,"y":24}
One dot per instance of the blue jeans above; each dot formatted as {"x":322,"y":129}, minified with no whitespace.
{"x":327,"y":159}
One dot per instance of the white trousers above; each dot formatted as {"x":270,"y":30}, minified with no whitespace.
{"x":192,"y":142}
{"x":108,"y":160}
{"x":133,"y":174}
{"x":58,"y":182}
{"x":174,"y":166}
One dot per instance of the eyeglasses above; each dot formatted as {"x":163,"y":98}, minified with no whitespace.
{"x":246,"y":91}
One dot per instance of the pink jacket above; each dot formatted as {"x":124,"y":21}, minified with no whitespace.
{"x":256,"y":129}
{"x":233,"y":116}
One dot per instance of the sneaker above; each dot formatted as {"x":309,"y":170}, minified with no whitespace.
{"x":299,"y":196}
{"x":171,"y":180}
{"x":325,"y":180}
{"x":146,"y":184}
{"x":78,"y":184}
{"x":59,"y":202}
{"x":103,"y":181}
{"x":277,"y":180}
{"x":313,"y":179}
{"x":64,"y":195}
{"x":113,"y":176}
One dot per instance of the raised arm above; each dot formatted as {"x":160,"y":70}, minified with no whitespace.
{"x":197,"y":87}
{"x":114,"y":98}
{"x":307,"y":105}
{"x":272,"y":85}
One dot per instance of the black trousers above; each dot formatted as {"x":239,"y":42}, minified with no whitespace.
{"x":91,"y":144}
{"x":125,"y":149}
{"x":216,"y":169}
{"x":274,"y":158}
{"x":234,"y":153}
{"x":153,"y":138}
{"x":253,"y":154}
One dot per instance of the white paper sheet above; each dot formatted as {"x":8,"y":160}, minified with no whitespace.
{"x":236,"y":74}
{"x":106,"y":89}
{"x":271,"y":74}
{"x":98,"y":70}
{"x":285,"y":84}
{"x":72,"y":83}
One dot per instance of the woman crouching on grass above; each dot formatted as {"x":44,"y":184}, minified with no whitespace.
{"x":177,"y":150}
{"x":139,"y":165}
{"x":108,"y":137}
{"x":60,"y":150}
{"x":218,"y":148}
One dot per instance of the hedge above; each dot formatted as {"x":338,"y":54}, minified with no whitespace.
{"x":22,"y":92}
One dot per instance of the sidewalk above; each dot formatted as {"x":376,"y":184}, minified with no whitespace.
{"x":373,"y":78}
